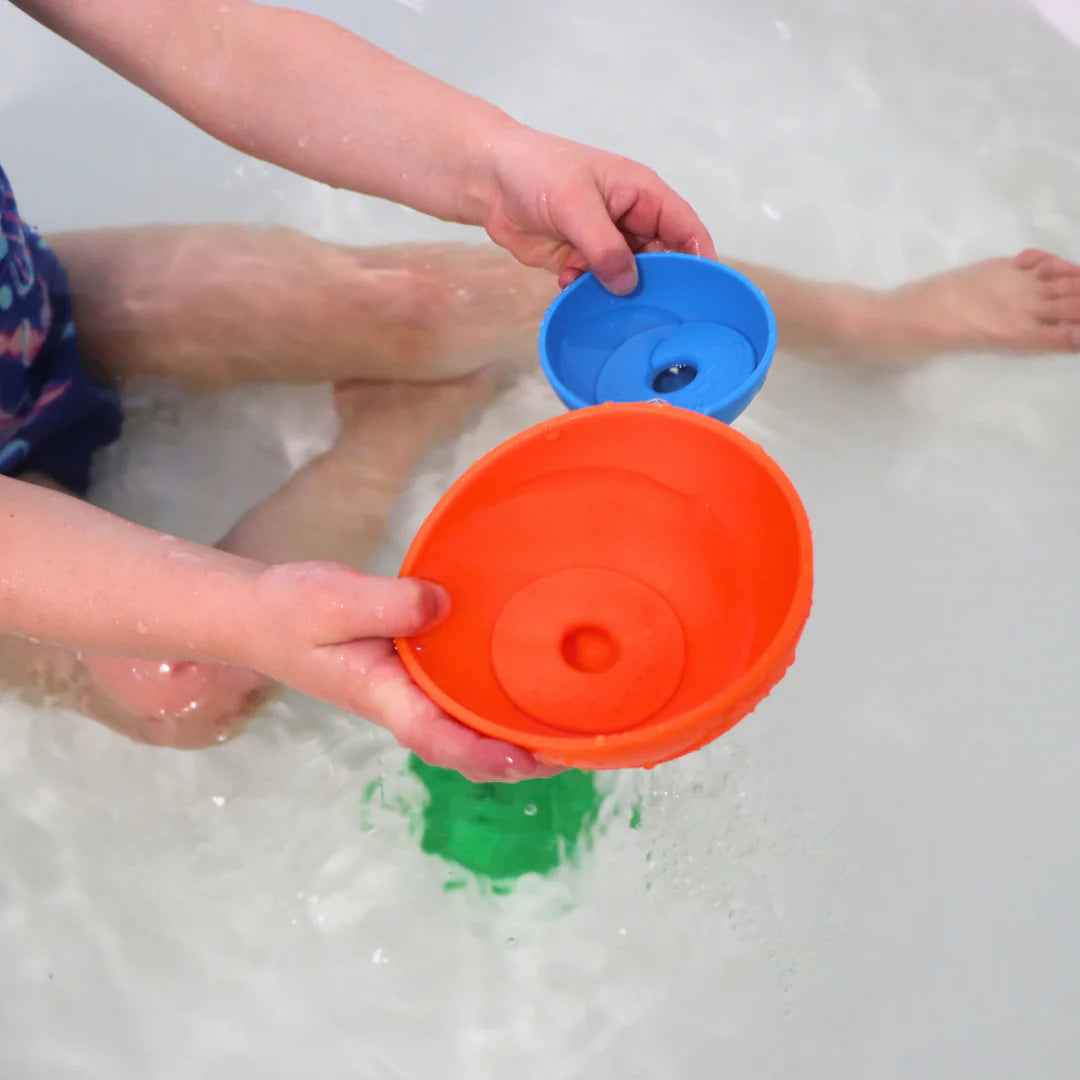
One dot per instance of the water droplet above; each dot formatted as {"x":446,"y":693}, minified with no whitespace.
{"x":303,"y":141}
{"x":218,"y":800}
{"x":530,"y":810}
{"x":142,"y":628}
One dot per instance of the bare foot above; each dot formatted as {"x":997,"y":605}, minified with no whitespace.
{"x":1027,"y":304}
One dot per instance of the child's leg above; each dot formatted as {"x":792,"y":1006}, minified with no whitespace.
{"x":335,"y":508}
{"x":215,"y":305}
{"x":219,"y":304}
{"x":1026,"y":304}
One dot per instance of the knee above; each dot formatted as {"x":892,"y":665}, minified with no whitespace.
{"x":185,"y":706}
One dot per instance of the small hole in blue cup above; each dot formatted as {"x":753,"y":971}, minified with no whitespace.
{"x":675,"y":377}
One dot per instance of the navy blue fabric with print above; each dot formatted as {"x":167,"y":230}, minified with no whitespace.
{"x":53,"y":416}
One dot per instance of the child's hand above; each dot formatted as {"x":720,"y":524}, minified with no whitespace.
{"x":570,"y":208}
{"x":328,"y":630}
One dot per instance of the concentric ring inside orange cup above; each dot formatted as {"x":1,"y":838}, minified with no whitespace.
{"x":628,"y":581}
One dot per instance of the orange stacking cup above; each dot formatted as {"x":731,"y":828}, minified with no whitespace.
{"x":628,"y":582}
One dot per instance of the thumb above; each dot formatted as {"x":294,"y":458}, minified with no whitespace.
{"x":390,"y":607}
{"x":330,"y":603}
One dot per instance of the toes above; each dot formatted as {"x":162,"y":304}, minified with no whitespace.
{"x":1046,"y":265}
{"x":1054,"y":339}
{"x":1062,"y":288}
{"x":1030,"y":258}
{"x":1056,"y":267}
{"x":1061,"y":311}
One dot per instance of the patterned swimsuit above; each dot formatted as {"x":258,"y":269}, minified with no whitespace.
{"x":53,"y":416}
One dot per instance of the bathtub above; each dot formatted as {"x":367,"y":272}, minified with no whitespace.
{"x":874,"y":875}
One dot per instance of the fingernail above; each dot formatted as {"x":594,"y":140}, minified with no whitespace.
{"x":442,"y":602}
{"x":624,"y":283}
{"x":517,"y":769}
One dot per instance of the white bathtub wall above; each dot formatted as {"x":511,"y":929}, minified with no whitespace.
{"x":873,"y":876}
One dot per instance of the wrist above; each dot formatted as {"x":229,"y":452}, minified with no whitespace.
{"x":238,"y":627}
{"x":491,"y":142}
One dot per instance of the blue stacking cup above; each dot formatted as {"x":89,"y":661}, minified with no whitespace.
{"x":694,"y":333}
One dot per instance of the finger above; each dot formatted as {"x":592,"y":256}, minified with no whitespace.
{"x":661,"y":217}
{"x":394,"y":701}
{"x":601,"y":247}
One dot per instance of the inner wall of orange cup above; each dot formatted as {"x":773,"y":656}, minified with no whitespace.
{"x":681,"y":503}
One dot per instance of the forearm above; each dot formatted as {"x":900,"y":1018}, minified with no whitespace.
{"x":77,"y":576}
{"x":298,"y":91}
